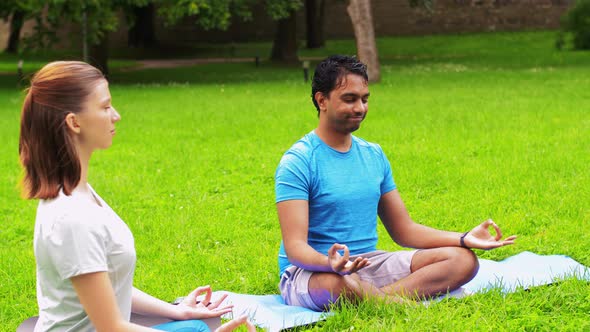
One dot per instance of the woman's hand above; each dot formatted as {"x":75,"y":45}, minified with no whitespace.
{"x":205,"y":308}
{"x":235,"y":323}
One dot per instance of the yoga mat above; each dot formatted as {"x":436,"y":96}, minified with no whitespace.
{"x":524,"y":270}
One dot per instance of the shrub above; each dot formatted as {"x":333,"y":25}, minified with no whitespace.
{"x":577,"y":22}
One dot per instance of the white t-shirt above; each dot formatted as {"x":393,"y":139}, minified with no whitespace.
{"x":75,"y":236}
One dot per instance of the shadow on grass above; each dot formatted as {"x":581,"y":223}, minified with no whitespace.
{"x":215,"y":73}
{"x":239,"y":73}
{"x":503,"y":51}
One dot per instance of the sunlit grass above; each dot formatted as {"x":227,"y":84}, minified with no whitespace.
{"x":475,"y":127}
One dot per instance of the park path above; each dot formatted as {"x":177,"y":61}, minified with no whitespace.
{"x":173,"y":63}
{"x":169,"y":63}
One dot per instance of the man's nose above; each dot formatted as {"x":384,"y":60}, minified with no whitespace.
{"x":360,"y":106}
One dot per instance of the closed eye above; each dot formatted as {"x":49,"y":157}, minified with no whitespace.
{"x":349,"y":98}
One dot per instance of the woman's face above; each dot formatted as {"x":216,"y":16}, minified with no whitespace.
{"x":97,"y":120}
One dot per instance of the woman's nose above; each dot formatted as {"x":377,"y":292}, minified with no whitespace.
{"x":116,"y":115}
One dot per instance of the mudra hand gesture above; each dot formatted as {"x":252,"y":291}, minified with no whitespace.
{"x":341,"y":264}
{"x":205,"y":308}
{"x":481,"y":238}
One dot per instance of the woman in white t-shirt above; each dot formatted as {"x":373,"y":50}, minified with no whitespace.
{"x":85,"y":253}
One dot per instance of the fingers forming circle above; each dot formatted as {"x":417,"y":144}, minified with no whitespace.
{"x":217,"y":302}
{"x":346,"y":253}
{"x":498,"y":231}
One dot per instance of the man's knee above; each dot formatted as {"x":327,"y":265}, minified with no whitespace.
{"x":460,"y":264}
{"x":464,"y":262}
{"x":327,"y":288}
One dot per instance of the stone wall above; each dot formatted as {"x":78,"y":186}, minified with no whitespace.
{"x":453,"y":16}
{"x":395,"y":18}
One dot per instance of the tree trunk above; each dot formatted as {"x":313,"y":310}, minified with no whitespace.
{"x":284,"y":47}
{"x":315,"y":10}
{"x":16,"y":24}
{"x":99,"y":55}
{"x":364,"y":34}
{"x":142,"y":33}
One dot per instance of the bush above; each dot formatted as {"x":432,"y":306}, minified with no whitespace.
{"x":577,"y":22}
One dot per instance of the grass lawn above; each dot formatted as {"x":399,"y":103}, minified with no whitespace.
{"x":475,"y":126}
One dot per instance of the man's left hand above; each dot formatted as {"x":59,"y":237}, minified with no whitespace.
{"x":481,"y":238}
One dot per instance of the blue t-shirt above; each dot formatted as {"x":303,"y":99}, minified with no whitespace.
{"x":343,"y":190}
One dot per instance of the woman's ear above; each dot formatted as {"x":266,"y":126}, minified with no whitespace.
{"x":72,"y":123}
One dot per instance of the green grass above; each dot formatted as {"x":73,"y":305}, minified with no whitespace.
{"x":475,"y":126}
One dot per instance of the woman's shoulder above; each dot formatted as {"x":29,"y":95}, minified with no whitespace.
{"x":65,"y":211}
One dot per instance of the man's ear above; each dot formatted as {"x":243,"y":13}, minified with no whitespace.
{"x":321,"y":99}
{"x":72,"y":123}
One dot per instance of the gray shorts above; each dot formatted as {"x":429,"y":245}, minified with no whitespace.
{"x":386,"y":268}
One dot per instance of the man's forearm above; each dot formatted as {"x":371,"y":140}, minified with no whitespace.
{"x":304,"y":256}
{"x":424,"y":237}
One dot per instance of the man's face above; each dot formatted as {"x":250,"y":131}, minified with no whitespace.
{"x":347,"y":105}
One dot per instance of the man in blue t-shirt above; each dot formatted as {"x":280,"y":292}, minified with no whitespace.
{"x":330,"y":188}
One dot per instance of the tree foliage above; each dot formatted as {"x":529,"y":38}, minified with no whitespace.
{"x":279,"y":9}
{"x":8,"y":7}
{"x":577,"y":22}
{"x":100,"y":15}
{"x":217,"y":14}
{"x":209,"y":14}
{"x":17,"y":12}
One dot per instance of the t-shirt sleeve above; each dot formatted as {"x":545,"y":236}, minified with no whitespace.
{"x":388,"y":184}
{"x":76,"y":247}
{"x":292,"y":180}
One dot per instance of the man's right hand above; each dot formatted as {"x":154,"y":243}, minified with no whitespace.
{"x":340,"y":264}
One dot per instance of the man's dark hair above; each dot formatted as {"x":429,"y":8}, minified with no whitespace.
{"x":329,"y":73}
